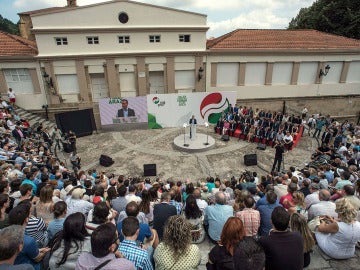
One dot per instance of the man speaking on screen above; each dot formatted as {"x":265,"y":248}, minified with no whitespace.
{"x":125,"y":111}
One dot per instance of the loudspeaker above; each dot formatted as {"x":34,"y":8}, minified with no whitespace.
{"x":149,"y":169}
{"x":106,"y":161}
{"x":261,"y":146}
{"x":225,"y":137}
{"x":250,"y":159}
{"x":67,"y":147}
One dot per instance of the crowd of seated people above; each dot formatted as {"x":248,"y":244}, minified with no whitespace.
{"x":64,"y":219}
{"x":259,"y":126}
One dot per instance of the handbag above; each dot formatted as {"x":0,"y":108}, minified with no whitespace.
{"x":314,"y":224}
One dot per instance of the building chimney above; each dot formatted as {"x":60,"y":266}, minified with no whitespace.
{"x":71,"y":3}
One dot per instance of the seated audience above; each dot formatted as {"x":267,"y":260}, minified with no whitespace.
{"x":338,"y":238}
{"x":235,"y":250}
{"x":104,"y":251}
{"x":176,"y":250}
{"x":70,"y":243}
{"x":195,"y":217}
{"x":298,"y":224}
{"x":283,"y":248}
{"x":129,"y":247}
{"x":11,"y":244}
{"x":216,"y":216}
{"x":57,"y":223}
{"x":30,"y":253}
{"x":249,"y":217}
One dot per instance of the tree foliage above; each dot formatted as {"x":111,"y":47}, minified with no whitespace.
{"x":8,"y":26}
{"x":340,"y":17}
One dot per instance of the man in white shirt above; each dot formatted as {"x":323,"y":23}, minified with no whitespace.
{"x":202,"y":204}
{"x":131,"y":197}
{"x":323,"y":207}
{"x":312,"y":198}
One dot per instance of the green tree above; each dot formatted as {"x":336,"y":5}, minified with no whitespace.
{"x":340,"y":17}
{"x":8,"y":26}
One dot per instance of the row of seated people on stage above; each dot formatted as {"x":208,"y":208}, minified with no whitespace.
{"x":260,"y":130}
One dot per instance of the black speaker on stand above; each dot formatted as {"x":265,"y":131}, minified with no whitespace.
{"x":149,"y":169}
{"x":250,"y":159}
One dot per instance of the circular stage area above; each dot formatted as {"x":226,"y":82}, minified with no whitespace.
{"x":197,"y":144}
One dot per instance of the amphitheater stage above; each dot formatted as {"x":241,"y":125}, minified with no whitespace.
{"x":201,"y":142}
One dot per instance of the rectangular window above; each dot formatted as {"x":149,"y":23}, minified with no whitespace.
{"x":184,"y":38}
{"x":154,"y":39}
{"x":61,"y":41}
{"x":124,"y":39}
{"x":92,"y":40}
{"x":19,"y":80}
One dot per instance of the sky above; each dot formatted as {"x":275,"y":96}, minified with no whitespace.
{"x":223,"y":16}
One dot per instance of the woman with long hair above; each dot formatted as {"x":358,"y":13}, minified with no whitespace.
{"x":4,"y":203}
{"x":195,"y":217}
{"x":236,"y":251}
{"x":337,"y":238}
{"x":146,"y":206}
{"x":44,"y":207}
{"x":298,"y":224}
{"x":298,"y":204}
{"x":70,"y":243}
{"x":176,"y":252}
{"x":189,"y":189}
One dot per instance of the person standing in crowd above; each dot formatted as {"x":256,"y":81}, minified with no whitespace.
{"x":72,"y":140}
{"x":279,"y":152}
{"x":12,"y":97}
{"x":56,"y":136}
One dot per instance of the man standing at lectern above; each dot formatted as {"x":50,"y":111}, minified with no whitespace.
{"x":125,"y":111}
{"x":193,"y":124}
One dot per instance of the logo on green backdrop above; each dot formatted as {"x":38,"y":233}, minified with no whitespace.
{"x":182,"y":100}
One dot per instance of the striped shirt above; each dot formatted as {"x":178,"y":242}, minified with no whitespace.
{"x":36,"y":228}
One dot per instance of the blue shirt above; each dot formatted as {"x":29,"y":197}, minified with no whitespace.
{"x":138,"y":256}
{"x":265,"y":218}
{"x":216,"y":216}
{"x":27,"y":181}
{"x":29,"y":252}
{"x":144,"y":232}
{"x":54,"y":227}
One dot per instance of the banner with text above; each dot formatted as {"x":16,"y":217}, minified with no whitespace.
{"x":173,"y":110}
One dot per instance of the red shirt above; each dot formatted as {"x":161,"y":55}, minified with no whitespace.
{"x":286,"y":199}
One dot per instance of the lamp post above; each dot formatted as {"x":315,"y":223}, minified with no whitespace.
{"x":207,"y":133}
{"x":184,"y":126}
{"x":45,"y":106}
{"x":324,"y":73}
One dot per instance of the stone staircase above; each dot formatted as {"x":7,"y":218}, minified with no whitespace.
{"x":35,"y":119}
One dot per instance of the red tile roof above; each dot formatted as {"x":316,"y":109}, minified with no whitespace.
{"x":12,"y":45}
{"x":50,"y":9}
{"x":281,"y":39}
